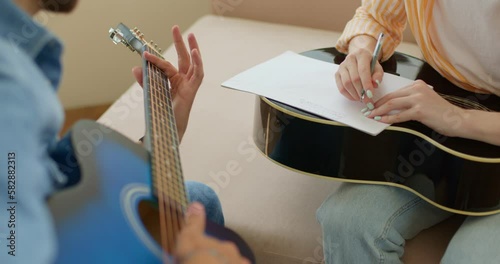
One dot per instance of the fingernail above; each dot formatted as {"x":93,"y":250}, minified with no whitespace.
{"x":364,"y":110}
{"x":195,"y":208}
{"x":378,"y":83}
{"x":367,"y":113}
{"x":369,"y":94}
{"x":430,"y":86}
{"x":370,"y":106}
{"x":377,"y":118}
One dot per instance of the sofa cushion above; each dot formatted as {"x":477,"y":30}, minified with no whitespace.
{"x":271,"y":207}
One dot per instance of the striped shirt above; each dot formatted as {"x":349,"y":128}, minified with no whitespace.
{"x":457,"y":38}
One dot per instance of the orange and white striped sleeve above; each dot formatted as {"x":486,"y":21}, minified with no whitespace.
{"x":373,"y":17}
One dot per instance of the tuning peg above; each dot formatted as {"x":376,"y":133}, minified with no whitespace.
{"x":138,"y":32}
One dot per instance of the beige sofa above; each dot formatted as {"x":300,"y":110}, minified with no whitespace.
{"x":271,"y":207}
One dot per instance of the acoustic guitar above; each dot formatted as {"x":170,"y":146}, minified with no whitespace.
{"x":128,"y":205}
{"x":455,"y":174}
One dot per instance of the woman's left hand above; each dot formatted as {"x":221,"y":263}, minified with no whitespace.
{"x":421,"y":103}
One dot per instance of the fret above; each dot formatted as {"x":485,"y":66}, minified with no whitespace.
{"x":162,"y":139}
{"x":166,"y":170}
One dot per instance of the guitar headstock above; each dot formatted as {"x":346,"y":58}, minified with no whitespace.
{"x":132,"y":39}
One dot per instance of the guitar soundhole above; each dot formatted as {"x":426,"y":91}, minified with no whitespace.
{"x":150,"y":218}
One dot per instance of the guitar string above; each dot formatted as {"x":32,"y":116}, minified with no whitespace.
{"x":179,"y":188}
{"x":174,"y":154}
{"x":171,"y":231}
{"x":165,"y":188}
{"x":464,"y":103}
{"x":162,"y":199}
{"x":160,"y":160}
{"x":173,"y":126}
{"x":169,"y":137}
{"x":171,"y":142}
{"x":173,"y":151}
{"x":163,"y":228}
{"x":179,"y":180}
{"x":177,"y":221}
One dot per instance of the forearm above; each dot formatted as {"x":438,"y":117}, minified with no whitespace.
{"x":182,"y":111}
{"x":481,"y":125}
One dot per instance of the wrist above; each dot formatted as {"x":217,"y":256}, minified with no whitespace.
{"x":477,"y":125}
{"x":182,"y":111}
{"x":453,"y":122}
{"x":467,"y":126}
{"x":362,"y":42}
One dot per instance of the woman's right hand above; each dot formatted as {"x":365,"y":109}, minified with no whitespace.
{"x":354,"y":73}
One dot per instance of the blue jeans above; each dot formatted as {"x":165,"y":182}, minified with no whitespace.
{"x":199,"y":192}
{"x":370,"y":223}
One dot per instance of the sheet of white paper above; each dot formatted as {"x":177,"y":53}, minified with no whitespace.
{"x":309,"y":84}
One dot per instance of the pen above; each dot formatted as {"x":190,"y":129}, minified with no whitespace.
{"x":376,"y":53}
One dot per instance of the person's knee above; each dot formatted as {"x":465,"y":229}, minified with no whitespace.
{"x":333,"y":215}
{"x":199,"y":192}
{"x":352,"y":209}
{"x":476,"y":241}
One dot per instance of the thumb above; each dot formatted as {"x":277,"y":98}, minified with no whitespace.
{"x":195,"y":218}
{"x":378,"y":74}
{"x":137,"y":72}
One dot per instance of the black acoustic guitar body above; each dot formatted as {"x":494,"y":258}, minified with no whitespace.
{"x":455,"y":174}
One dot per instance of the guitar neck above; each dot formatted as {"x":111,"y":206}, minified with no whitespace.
{"x":163,"y":143}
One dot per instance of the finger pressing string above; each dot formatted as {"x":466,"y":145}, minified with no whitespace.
{"x":164,"y":65}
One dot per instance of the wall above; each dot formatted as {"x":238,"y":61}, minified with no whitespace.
{"x":322,"y":14}
{"x":96,"y":70}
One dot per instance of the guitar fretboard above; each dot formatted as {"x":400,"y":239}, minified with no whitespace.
{"x":163,"y":143}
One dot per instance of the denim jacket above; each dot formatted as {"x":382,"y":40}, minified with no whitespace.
{"x":31,"y":116}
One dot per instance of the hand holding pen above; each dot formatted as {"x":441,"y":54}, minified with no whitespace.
{"x":359,"y":73}
{"x":376,"y":52}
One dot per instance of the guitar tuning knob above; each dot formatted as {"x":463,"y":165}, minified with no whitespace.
{"x":138,"y":32}
{"x":159,"y":50}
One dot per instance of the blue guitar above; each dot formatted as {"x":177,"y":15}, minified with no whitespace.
{"x":129,"y":204}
